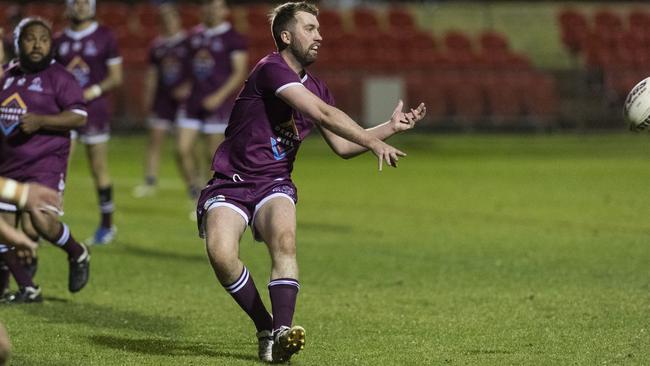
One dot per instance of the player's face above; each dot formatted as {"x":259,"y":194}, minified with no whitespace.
{"x":35,"y":43}
{"x":169,"y":19}
{"x":214,"y":12}
{"x":80,"y":10}
{"x":305,"y":38}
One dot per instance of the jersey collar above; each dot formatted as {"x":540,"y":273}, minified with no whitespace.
{"x":77,"y":35}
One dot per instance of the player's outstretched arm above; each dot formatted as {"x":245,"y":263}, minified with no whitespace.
{"x":64,"y":121}
{"x":15,"y":237}
{"x":339,"y":123}
{"x":399,"y":122}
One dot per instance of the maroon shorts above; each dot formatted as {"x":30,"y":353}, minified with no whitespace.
{"x":243,"y":195}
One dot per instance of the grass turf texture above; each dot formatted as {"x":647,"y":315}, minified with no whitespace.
{"x":481,"y":250}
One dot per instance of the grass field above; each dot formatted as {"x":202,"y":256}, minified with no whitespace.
{"x":478,"y":250}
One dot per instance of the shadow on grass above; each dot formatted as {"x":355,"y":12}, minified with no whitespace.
{"x":166,"y":347}
{"x":101,"y":316}
{"x":150,"y":253}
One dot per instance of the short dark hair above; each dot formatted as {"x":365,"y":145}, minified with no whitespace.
{"x":284,"y":16}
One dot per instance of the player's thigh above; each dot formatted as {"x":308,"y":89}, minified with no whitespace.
{"x":42,"y":223}
{"x":223,"y":229}
{"x":214,"y":140}
{"x":186,"y":139}
{"x":27,"y":225}
{"x":97,"y":155}
{"x":157,"y":136}
{"x":275,"y":223}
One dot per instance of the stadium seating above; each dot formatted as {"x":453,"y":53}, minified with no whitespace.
{"x":614,"y":47}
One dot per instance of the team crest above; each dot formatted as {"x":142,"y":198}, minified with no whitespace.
{"x":80,"y":69}
{"x":11,"y":109}
{"x":217,"y":45}
{"x":90,"y":49}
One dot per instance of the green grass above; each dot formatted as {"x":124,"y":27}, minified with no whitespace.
{"x":478,"y":250}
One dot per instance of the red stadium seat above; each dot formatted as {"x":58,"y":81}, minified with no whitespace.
{"x":365,"y":20}
{"x":190,"y":15}
{"x":574,"y":29}
{"x":401,"y":20}
{"x":257,"y":17}
{"x":493,"y":41}
{"x":113,"y":14}
{"x":147,"y":14}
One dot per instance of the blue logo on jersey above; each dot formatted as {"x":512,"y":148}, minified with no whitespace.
{"x":279,"y":153}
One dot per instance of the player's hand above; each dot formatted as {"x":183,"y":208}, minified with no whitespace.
{"x":212,"y":102}
{"x":30,"y":123}
{"x":387,"y":153}
{"x":91,"y":93}
{"x":21,"y":241}
{"x":41,"y":197}
{"x":401,"y":121}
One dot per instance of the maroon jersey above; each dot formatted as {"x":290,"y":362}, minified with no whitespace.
{"x":87,"y":55}
{"x":167,"y":55}
{"x":209,"y":65}
{"x":264,"y":133}
{"x":48,"y":92}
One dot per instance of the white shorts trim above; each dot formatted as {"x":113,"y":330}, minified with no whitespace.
{"x":265,"y":200}
{"x":214,"y":128}
{"x":95,"y":139}
{"x":159,"y":123}
{"x":189,"y":123}
{"x":230,"y":206}
{"x":114,"y":61}
{"x":8,"y":207}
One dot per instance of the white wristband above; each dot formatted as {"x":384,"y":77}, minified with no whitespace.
{"x":8,"y":192}
{"x":97,"y":91}
{"x":23,"y":196}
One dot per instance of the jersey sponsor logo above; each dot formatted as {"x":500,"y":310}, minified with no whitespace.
{"x":21,"y":82}
{"x":288,"y":190}
{"x":76,"y":46}
{"x":203,"y":63}
{"x":8,"y":83}
{"x":64,"y":48}
{"x":36,"y":85}
{"x":11,"y":109}
{"x":80,"y":70}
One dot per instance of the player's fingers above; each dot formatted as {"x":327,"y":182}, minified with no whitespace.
{"x":399,"y":107}
{"x":381,"y":160}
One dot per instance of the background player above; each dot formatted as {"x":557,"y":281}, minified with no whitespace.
{"x":89,"y":51}
{"x":279,"y":105}
{"x":40,"y":103}
{"x":161,"y":98}
{"x":216,"y":66}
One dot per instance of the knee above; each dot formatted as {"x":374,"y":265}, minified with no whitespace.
{"x":220,"y":256}
{"x":285,"y":244}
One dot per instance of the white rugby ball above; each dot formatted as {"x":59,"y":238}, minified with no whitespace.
{"x":637,"y":106}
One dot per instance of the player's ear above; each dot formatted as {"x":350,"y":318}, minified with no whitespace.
{"x":286,"y":37}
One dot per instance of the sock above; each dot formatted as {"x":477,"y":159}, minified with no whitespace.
{"x":245,"y":293}
{"x":106,"y":206}
{"x":150,"y":180}
{"x":194,"y":192}
{"x":284,"y":292}
{"x":4,"y":278}
{"x":66,"y":242}
{"x":10,"y":259}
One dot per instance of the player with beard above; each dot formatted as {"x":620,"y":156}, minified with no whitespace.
{"x":216,"y":65}
{"x":280,"y":104}
{"x":162,"y":94}
{"x":89,"y":51}
{"x":40,"y":102}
